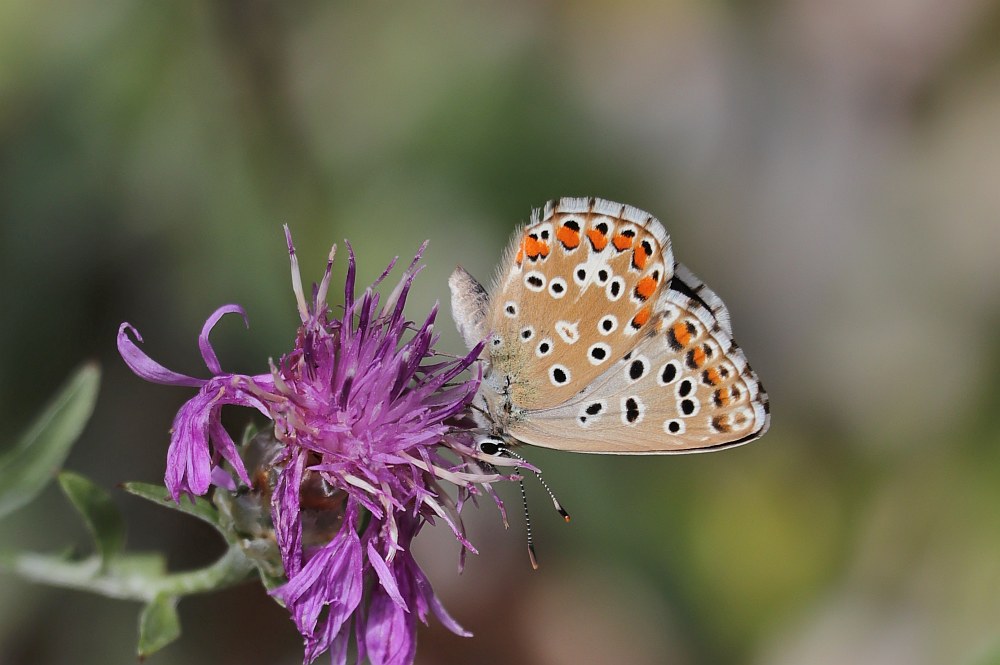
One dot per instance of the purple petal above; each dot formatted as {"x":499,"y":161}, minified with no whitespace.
{"x":349,"y":282}
{"x":189,"y":459}
{"x":332,"y":577}
{"x":189,"y":464}
{"x":385,"y":577}
{"x":425,"y":592}
{"x":207,"y":352}
{"x":391,"y":634}
{"x":285,"y":513}
{"x":338,"y":647}
{"x":221,"y":478}
{"x":147,"y":368}
{"x":226,"y":447}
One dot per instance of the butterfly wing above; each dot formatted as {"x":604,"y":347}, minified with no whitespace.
{"x":686,"y":387}
{"x":577,"y":290}
{"x":687,"y":283}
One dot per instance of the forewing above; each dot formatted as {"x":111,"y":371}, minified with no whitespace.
{"x":686,"y":387}
{"x":578,"y":289}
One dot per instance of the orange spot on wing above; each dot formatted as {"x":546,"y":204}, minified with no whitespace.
{"x":568,"y":237}
{"x":622,"y":242}
{"x":698,"y":357}
{"x":712,"y":376}
{"x":681,"y":333}
{"x":640,"y":319}
{"x":520,"y":254}
{"x":534,"y":248}
{"x":639,"y":257}
{"x":721,"y":424}
{"x":597,"y":239}
{"x":722,"y":397}
{"x":645,"y":287}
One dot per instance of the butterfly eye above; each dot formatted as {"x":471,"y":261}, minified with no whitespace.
{"x":488,"y":445}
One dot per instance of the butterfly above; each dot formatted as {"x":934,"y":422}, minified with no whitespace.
{"x":598,"y":341}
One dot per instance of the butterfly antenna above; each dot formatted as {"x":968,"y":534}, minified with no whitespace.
{"x":527,"y":524}
{"x":545,"y":485}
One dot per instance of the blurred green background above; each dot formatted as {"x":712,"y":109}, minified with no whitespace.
{"x":832,"y":169}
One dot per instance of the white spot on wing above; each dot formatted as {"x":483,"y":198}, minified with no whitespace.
{"x":534,"y":281}
{"x":615,"y":292}
{"x":598,"y":359}
{"x":557,"y":287}
{"x":626,"y":402}
{"x":674,"y":426}
{"x":591,"y":412}
{"x":570,"y":332}
{"x":677,"y":372}
{"x":559,"y":375}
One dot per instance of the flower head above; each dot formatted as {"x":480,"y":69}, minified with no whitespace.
{"x":365,"y":413}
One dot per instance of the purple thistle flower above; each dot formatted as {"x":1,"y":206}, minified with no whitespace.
{"x":367,"y":412}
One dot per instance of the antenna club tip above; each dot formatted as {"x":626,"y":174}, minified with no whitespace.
{"x":532,"y":557}
{"x":566,"y":518}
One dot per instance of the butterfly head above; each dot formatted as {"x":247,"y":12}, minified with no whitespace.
{"x":489,"y":444}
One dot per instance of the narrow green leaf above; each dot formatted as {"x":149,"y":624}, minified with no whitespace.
{"x":129,"y":577}
{"x":159,"y":625}
{"x":98,"y":511}
{"x":27,"y":468}
{"x":199,"y":507}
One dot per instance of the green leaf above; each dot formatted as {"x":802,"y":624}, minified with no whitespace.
{"x":199,"y":507}
{"x":129,"y":577}
{"x":27,"y":468}
{"x":98,"y":511}
{"x":159,"y":625}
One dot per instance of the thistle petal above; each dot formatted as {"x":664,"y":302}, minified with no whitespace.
{"x":147,"y":368}
{"x":207,"y":352}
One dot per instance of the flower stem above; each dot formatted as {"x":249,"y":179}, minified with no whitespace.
{"x":135,"y":577}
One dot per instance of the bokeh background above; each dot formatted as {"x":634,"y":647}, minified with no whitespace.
{"x":832,"y":169}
